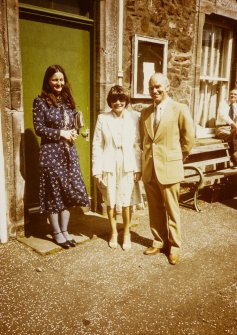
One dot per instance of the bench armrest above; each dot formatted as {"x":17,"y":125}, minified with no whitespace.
{"x":198,"y":172}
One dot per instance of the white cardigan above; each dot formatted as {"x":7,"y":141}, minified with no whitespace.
{"x":105,"y":143}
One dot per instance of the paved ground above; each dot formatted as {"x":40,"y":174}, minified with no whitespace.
{"x":92,"y":289}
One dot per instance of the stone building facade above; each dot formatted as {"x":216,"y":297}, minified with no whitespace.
{"x":181,"y":24}
{"x":174,"y":22}
{"x":194,"y":40}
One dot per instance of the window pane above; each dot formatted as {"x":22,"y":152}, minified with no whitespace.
{"x":210,"y":96}
{"x":215,"y":69}
{"x":206,"y":50}
{"x":150,"y":60}
{"x":214,"y":51}
{"x":224,"y":70}
{"x":217,"y":51}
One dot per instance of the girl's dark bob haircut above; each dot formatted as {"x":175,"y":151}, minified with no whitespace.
{"x":117,"y":92}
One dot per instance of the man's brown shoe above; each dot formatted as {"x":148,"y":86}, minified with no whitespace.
{"x":151,"y":251}
{"x":174,"y":259}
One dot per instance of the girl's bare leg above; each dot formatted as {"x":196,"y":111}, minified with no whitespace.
{"x":113,"y":242}
{"x":126,"y":215}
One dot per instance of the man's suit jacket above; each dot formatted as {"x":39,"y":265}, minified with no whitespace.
{"x":105,"y":143}
{"x":172,"y":142}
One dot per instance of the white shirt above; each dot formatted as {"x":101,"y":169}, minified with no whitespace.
{"x":223,"y":111}
{"x":159,"y":110}
{"x":119,"y":129}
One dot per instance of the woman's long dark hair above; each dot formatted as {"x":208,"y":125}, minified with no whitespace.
{"x":47,"y":93}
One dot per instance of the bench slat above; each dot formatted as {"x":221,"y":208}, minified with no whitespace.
{"x":209,"y":148}
{"x":210,"y":175}
{"x":229,"y":171}
{"x":191,"y":179}
{"x":209,"y":162}
{"x":206,"y":178}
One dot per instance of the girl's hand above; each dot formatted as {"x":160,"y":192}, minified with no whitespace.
{"x":98,"y":178}
{"x":99,"y":181}
{"x":137,"y":176}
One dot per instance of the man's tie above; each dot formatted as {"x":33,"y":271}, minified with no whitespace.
{"x":231,"y":112}
{"x":156,"y":119}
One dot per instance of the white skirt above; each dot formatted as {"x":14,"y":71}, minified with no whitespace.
{"x":120,"y":189}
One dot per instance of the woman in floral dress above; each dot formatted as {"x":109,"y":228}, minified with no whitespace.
{"x":61,"y":182}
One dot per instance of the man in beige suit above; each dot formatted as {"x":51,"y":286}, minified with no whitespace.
{"x":167,"y":136}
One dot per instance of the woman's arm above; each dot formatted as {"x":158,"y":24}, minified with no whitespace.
{"x":97,"y":148}
{"x":39,"y":122}
{"x":41,"y":128}
{"x":137,"y":144}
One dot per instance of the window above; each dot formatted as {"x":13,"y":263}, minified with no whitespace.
{"x":215,"y":72}
{"x":78,"y":7}
{"x":150,"y":55}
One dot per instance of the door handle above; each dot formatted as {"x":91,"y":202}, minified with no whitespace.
{"x":86,"y":134}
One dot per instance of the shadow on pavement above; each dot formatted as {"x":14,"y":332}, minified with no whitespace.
{"x":232,"y":203}
{"x":87,"y":224}
{"x":135,"y":238}
{"x":82,"y":225}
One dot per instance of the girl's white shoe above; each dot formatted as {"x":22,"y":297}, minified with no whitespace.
{"x":126,"y":242}
{"x":113,"y":242}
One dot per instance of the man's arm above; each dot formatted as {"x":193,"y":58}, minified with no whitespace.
{"x":223,"y":112}
{"x":141,"y":129}
{"x":187,"y":134}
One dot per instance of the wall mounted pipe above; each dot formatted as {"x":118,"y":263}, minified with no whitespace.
{"x":120,"y":43}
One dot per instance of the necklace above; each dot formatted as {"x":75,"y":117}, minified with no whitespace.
{"x":59,"y":99}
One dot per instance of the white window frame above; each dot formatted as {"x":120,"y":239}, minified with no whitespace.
{"x":135,"y":77}
{"x":213,"y":87}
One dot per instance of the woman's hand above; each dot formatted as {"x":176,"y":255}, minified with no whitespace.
{"x":74,"y":134}
{"x":70,"y":135}
{"x":137,"y":176}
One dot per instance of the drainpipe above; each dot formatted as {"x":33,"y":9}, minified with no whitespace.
{"x":3,"y":217}
{"x":120,"y":44}
{"x":196,"y":104}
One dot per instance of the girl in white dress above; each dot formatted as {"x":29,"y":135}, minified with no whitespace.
{"x":116,"y":161}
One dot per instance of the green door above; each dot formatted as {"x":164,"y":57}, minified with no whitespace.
{"x":43,"y":43}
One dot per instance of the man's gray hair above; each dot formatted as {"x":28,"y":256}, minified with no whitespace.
{"x":161,"y":78}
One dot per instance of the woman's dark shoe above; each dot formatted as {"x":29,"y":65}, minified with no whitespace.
{"x":64,"y":245}
{"x":72,"y":243}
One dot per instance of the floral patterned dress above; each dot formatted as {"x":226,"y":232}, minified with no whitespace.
{"x":61,"y":181}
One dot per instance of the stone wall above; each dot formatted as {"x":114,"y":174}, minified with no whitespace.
{"x":106,"y":50}
{"x":11,"y":113}
{"x":170,"y":20}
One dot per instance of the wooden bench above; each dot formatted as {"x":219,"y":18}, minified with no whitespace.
{"x":207,"y":165}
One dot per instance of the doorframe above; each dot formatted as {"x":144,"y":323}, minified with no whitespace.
{"x":72,"y":20}
{"x":54,"y":15}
